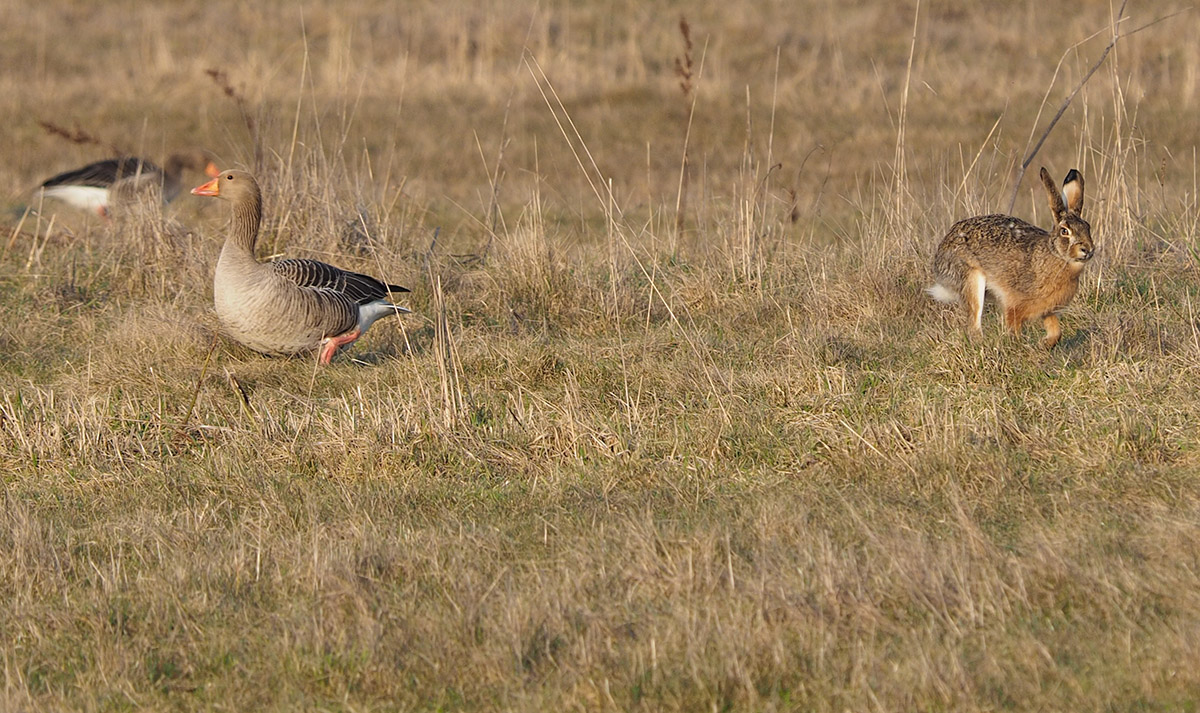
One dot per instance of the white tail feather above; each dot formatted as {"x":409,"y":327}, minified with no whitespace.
{"x":82,"y":197}
{"x":372,"y":311}
{"x":941,"y":293}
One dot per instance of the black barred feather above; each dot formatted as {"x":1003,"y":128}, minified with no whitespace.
{"x":322,"y":276}
{"x":103,"y":174}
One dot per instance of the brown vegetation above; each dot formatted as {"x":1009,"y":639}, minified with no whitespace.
{"x":612,"y":465}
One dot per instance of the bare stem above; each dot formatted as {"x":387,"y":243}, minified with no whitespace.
{"x":1066,"y":103}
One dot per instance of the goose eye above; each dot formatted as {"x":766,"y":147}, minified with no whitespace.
{"x":229,"y":177}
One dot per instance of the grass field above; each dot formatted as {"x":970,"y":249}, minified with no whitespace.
{"x":663,"y":433}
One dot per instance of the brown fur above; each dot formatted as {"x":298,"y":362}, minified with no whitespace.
{"x":1032,"y":273}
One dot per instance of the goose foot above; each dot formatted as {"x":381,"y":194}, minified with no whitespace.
{"x":329,"y":345}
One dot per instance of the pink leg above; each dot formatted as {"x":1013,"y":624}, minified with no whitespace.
{"x":329,"y":345}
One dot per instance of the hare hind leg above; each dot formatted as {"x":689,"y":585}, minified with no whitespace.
{"x":974,"y":289}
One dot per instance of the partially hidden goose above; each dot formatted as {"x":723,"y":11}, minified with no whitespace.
{"x":99,"y":186}
{"x":286,"y":306}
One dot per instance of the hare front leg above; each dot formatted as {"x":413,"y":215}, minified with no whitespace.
{"x":1014,"y":319}
{"x":1050,"y":322}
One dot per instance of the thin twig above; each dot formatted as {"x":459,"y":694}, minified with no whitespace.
{"x":221,"y":79}
{"x":683,"y":70}
{"x":901,"y":169}
{"x":196,"y":392}
{"x":1066,"y":103}
{"x":79,"y":136}
{"x":556,"y":108}
{"x":494,"y":215}
{"x":16,"y":231}
{"x":962,"y":187}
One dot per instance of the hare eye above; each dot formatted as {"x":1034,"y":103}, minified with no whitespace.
{"x":1065,"y":231}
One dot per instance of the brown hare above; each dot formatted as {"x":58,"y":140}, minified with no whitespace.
{"x":1031,"y":273}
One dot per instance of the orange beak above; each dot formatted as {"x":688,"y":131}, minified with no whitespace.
{"x":211,"y":170}
{"x":208,"y":189}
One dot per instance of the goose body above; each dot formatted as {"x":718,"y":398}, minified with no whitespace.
{"x":286,"y":306}
{"x":98,"y":186}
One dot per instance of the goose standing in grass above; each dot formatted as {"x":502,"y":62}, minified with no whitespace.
{"x":100,"y":185}
{"x":286,"y":306}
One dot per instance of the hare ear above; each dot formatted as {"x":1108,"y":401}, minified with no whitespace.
{"x":1057,"y":207}
{"x":1073,"y":191}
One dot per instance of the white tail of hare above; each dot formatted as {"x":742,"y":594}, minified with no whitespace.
{"x":1031,"y":273}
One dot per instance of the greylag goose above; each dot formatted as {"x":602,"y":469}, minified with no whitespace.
{"x":99,"y":185}
{"x":286,"y":306}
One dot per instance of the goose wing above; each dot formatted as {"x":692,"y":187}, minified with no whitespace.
{"x":317,"y":275}
{"x":103,"y":174}
{"x":146,"y":184}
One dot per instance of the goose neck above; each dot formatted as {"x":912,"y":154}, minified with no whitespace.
{"x":173,"y":168}
{"x":247,"y":214}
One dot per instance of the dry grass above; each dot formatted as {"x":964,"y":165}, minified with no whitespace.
{"x":638,"y":450}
